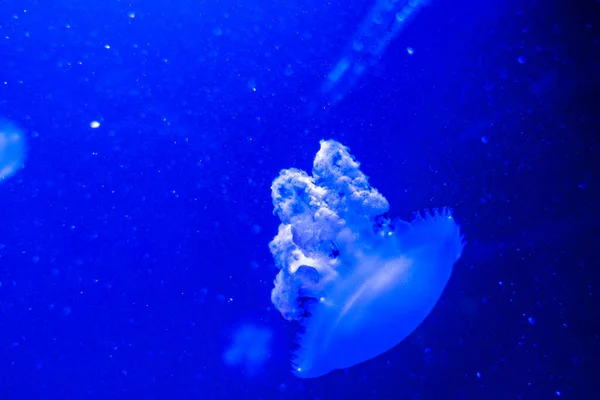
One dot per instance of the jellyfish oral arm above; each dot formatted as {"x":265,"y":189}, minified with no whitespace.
{"x":384,"y":22}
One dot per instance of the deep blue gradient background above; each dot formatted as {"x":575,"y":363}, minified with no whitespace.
{"x":129,"y":254}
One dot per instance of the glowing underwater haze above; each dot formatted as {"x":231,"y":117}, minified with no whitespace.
{"x":138,"y":143}
{"x":357,"y":282}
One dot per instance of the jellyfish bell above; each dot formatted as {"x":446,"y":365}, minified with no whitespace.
{"x":381,"y":283}
{"x":12,"y":149}
{"x":381,"y":300}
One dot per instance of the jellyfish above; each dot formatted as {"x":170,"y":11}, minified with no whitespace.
{"x":357,"y":282}
{"x":382,"y":24}
{"x":12,"y":150}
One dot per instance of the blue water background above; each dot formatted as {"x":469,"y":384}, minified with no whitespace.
{"x":131,"y":253}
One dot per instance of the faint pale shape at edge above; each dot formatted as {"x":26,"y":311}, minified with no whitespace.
{"x":12,"y":149}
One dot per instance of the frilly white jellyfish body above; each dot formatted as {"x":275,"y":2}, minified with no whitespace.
{"x":357,"y":283}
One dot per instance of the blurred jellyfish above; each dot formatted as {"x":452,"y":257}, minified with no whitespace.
{"x":12,"y":149}
{"x":250,"y":348}
{"x":357,"y":283}
{"x":384,"y":22}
